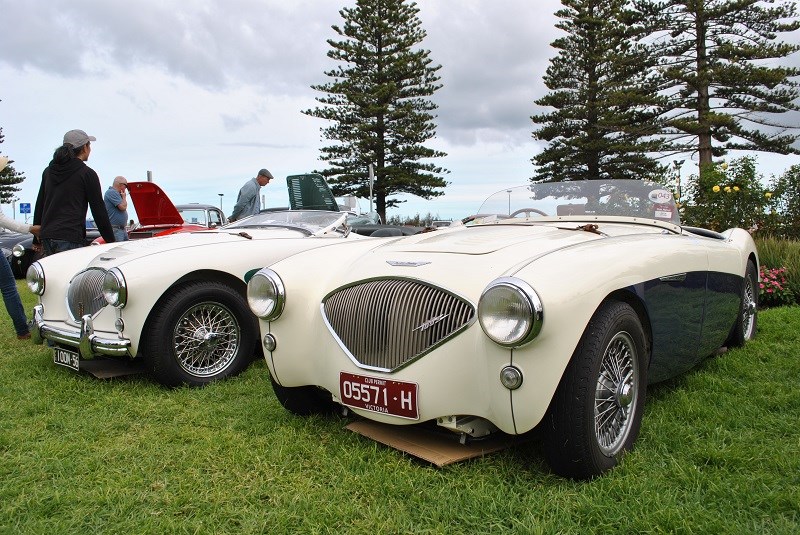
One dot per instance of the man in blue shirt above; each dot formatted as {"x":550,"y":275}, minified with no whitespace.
{"x":249,"y":202}
{"x":116,"y":201}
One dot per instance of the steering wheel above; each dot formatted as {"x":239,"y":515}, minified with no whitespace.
{"x":527,"y":212}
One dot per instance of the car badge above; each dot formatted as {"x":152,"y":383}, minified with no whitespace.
{"x":410,"y":263}
{"x":430,"y":323}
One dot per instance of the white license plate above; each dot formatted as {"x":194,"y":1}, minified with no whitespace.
{"x":397,"y":398}
{"x":65,"y":357}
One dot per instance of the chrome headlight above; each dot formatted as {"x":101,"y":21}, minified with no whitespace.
{"x":35,"y":278}
{"x":510,"y":312}
{"x":266,"y":295}
{"x":18,"y":250}
{"x":115,"y":291}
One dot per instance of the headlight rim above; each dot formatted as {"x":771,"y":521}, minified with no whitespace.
{"x":532,"y":301}
{"x":38,"y":270}
{"x":115,"y":274}
{"x":279,"y":292}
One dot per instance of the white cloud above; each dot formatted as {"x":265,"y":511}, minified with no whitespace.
{"x":206,"y":92}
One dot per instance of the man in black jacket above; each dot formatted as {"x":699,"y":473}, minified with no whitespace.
{"x":68,"y":187}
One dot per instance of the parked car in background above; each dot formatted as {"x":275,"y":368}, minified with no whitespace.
{"x":554,"y":312}
{"x":177,"y":301}
{"x":158,"y":216}
{"x":8,"y":239}
{"x":24,"y":254}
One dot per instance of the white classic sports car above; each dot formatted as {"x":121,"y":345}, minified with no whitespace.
{"x":555,"y":312}
{"x":176,"y":302}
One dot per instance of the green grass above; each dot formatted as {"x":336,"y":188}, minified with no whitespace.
{"x":719,"y":453}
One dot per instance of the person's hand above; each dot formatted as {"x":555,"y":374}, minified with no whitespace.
{"x":35,"y":230}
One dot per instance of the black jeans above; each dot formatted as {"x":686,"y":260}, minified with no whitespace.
{"x":51,"y":246}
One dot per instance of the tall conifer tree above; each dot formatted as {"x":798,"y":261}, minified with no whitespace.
{"x":604,"y":98}
{"x":379,"y":106}
{"x":722,"y":92}
{"x":9,"y":178}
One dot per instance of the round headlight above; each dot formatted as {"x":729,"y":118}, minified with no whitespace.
{"x":18,"y":250}
{"x":510,"y":312}
{"x":35,"y":278}
{"x":115,"y":291}
{"x":266,"y":295}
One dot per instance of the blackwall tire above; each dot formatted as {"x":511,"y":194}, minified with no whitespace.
{"x":596,"y":413}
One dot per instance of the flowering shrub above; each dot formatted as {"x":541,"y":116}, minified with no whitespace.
{"x":725,"y":196}
{"x":774,"y":288}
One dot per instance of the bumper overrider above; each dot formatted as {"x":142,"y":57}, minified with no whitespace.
{"x":88,"y":344}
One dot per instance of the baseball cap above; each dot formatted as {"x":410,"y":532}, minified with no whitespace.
{"x":78,"y":138}
{"x":266,"y":173}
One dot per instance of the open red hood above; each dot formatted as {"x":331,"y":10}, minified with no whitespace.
{"x":152,"y":205}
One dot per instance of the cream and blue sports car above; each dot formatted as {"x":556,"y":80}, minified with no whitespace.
{"x":553,"y":308}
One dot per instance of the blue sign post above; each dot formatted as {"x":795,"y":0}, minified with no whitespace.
{"x":24,"y":208}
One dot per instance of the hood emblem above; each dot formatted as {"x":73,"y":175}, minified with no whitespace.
{"x":430,"y":323}
{"x":410,"y":263}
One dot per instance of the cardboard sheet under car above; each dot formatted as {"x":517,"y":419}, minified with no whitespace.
{"x":433,"y":447}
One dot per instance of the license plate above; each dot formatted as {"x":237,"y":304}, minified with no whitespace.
{"x":396,"y":398}
{"x":66,"y":358}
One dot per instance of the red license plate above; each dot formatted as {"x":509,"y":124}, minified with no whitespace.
{"x":396,"y":398}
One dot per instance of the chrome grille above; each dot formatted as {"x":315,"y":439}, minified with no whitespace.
{"x":387,"y":323}
{"x":85,"y":293}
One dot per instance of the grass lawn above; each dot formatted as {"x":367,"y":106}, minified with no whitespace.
{"x":719,"y":453}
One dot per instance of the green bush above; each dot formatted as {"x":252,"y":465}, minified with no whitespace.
{"x":786,"y":204}
{"x":725,"y":196}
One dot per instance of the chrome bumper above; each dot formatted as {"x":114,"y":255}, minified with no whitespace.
{"x":85,"y":340}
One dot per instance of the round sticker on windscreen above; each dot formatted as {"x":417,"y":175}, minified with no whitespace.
{"x":660,"y":196}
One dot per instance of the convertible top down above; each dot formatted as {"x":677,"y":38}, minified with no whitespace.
{"x":551,"y":309}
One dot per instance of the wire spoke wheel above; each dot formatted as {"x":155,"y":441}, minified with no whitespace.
{"x":596,"y":412}
{"x":615,"y":393}
{"x":206,"y":339}
{"x":749,"y":308}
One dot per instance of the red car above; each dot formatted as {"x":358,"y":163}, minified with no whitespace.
{"x":159,"y":217}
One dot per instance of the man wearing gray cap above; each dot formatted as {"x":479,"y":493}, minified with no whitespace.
{"x":249,"y":201}
{"x":68,"y":188}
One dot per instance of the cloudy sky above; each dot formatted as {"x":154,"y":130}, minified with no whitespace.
{"x":203,"y":93}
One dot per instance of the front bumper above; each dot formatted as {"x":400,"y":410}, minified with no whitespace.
{"x":88,"y":344}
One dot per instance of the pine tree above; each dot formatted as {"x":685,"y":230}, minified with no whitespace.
{"x":377,"y":102}
{"x":604,"y":94}
{"x":722,"y":95}
{"x":9,"y":178}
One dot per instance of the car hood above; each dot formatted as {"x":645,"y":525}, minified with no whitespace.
{"x":463,"y":259}
{"x":529,"y":238}
{"x":116,"y":253}
{"x":153,"y":206}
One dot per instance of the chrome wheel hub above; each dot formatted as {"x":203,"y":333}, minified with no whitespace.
{"x":749,"y":309}
{"x":615,"y":393}
{"x":206,"y":339}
